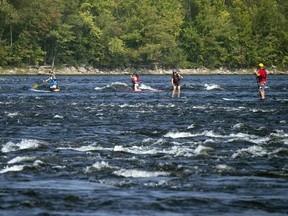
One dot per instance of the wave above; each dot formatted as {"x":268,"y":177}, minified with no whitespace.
{"x":136,"y":149}
{"x":86,"y":148}
{"x":15,"y":168}
{"x":20,"y":159}
{"x":255,"y":139}
{"x":22,"y":145}
{"x":113,"y":86}
{"x":12,"y":115}
{"x":123,"y":86}
{"x":99,"y":166}
{"x":212,"y":87}
{"x":176,"y":135}
{"x":133,"y":173}
{"x":252,"y":150}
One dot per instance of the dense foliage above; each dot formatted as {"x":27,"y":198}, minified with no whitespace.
{"x":145,"y":33}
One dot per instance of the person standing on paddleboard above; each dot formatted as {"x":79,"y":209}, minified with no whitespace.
{"x":52,"y":81}
{"x":136,"y":82}
{"x":176,"y":77}
{"x":261,"y":76}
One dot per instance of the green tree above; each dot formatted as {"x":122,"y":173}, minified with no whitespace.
{"x":150,"y":30}
{"x":8,"y":17}
{"x":208,"y":34}
{"x":268,"y":26}
{"x":125,"y":33}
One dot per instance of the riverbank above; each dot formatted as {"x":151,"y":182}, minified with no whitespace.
{"x":93,"y":71}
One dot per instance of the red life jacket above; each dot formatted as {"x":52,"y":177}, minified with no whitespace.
{"x":263,"y":75}
{"x":176,"y":79}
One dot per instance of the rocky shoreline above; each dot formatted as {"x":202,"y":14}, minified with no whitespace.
{"x":43,"y":70}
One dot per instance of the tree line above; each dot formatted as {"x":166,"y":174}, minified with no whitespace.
{"x":144,"y":33}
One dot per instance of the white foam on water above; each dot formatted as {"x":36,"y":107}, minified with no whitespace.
{"x":112,"y":85}
{"x":133,"y":173}
{"x":233,"y":109}
{"x":20,"y":159}
{"x":200,"y":150}
{"x":210,"y":141}
{"x":255,"y":151}
{"x":148,"y":140}
{"x":100,"y":165}
{"x":159,"y":141}
{"x":262,"y":110}
{"x":179,"y":151}
{"x":285,"y":141}
{"x":191,"y":126}
{"x":37,"y":163}
{"x":23,"y":144}
{"x":176,"y":150}
{"x":212,"y":87}
{"x":146,"y":87}
{"x":151,"y":141}
{"x":58,"y":116}
{"x":248,"y":137}
{"x":15,"y":168}
{"x":85,"y":148}
{"x":223,"y":167}
{"x":176,"y":135}
{"x":136,"y":149}
{"x":12,"y":115}
{"x":238,"y":126}
{"x":125,"y":105}
{"x":100,"y":88}
{"x":199,"y":107}
{"x":279,"y":133}
{"x":210,"y":134}
{"x":169,"y":105}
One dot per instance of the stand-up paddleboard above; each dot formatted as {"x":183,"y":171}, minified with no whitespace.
{"x":43,"y":91}
{"x":142,"y":91}
{"x":230,"y":99}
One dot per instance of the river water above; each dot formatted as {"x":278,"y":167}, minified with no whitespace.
{"x":89,"y":150}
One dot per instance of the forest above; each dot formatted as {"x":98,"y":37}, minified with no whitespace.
{"x":144,"y":33}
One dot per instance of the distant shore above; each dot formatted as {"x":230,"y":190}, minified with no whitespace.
{"x":42,"y":70}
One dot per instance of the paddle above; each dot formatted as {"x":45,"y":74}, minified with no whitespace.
{"x":257,"y":82}
{"x":169,"y":91}
{"x":36,"y":85}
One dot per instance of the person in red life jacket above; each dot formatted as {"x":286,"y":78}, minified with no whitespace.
{"x":176,"y":77}
{"x":136,"y":82}
{"x":261,"y":76}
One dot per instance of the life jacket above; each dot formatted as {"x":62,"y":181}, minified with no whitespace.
{"x":135,"y":80}
{"x":176,"y":78}
{"x":53,"y":82}
{"x":263,"y":75}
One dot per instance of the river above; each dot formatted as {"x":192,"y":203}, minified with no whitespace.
{"x":91,"y":150}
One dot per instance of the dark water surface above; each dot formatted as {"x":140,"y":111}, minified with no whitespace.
{"x":89,"y":150}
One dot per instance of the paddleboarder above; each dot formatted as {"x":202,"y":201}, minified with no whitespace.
{"x":261,"y":76}
{"x":176,"y":77}
{"x":135,"y":79}
{"x":52,"y":81}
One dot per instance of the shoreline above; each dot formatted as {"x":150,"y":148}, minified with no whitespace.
{"x":44,"y":70}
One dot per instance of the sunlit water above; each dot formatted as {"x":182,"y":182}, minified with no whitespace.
{"x":88,"y":150}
